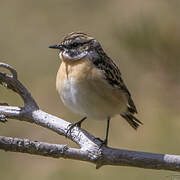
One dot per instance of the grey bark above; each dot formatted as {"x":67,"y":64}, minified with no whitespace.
{"x":90,"y":149}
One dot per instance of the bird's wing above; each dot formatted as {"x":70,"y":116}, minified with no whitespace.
{"x":112,"y":74}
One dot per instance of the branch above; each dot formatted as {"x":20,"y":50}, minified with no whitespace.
{"x":90,"y":149}
{"x":41,"y":148}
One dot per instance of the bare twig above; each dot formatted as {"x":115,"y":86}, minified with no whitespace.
{"x":41,"y":148}
{"x":90,"y":149}
{"x":11,"y":82}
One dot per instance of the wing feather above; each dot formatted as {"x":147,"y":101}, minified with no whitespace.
{"x":112,"y":73}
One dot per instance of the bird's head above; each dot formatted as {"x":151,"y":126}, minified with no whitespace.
{"x":75,"y":45}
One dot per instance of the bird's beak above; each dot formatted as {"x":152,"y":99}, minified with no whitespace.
{"x":57,"y":47}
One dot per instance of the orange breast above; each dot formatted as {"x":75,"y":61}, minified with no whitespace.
{"x":79,"y":70}
{"x":84,"y":89}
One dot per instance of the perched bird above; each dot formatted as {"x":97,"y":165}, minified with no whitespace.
{"x":90,"y":83}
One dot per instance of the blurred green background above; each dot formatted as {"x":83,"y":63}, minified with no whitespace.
{"x":141,"y":36}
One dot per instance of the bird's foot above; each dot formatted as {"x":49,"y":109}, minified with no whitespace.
{"x":103,"y":142}
{"x":72,"y":125}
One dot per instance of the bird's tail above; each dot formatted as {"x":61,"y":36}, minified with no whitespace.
{"x":133,"y":121}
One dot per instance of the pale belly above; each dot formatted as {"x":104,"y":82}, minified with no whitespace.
{"x":90,"y":100}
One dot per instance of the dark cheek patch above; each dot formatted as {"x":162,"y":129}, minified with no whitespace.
{"x":72,"y":53}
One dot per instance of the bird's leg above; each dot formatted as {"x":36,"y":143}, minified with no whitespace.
{"x":105,"y":142}
{"x":77,"y":124}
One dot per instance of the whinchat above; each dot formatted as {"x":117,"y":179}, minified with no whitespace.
{"x":90,"y":83}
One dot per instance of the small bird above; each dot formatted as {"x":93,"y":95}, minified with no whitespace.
{"x":90,"y":83}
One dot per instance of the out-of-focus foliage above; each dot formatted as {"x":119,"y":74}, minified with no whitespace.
{"x":141,"y":36}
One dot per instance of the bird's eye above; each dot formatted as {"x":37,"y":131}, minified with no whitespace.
{"x":75,"y":44}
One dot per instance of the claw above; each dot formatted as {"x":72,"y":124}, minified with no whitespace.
{"x":103,"y":143}
{"x":77,"y":124}
{"x":70,"y":127}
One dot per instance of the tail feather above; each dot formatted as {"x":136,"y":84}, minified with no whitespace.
{"x":133,"y":121}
